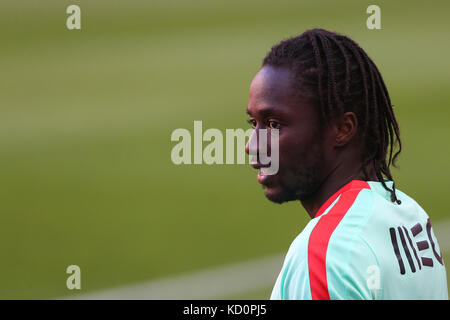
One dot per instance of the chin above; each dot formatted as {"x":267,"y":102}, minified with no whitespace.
{"x":279,"y":196}
{"x":280,"y":193}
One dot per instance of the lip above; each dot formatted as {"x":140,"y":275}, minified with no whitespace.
{"x":258,"y":166}
{"x":262,"y":178}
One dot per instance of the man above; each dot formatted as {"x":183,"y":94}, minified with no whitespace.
{"x":337,"y":139}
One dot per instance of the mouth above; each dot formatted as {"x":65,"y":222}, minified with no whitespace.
{"x":264,"y":175}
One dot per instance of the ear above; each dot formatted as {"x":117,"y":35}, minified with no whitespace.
{"x":345,"y":129}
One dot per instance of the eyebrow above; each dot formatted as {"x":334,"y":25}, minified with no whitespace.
{"x":266,"y":111}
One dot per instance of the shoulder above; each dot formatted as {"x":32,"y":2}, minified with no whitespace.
{"x":338,"y":256}
{"x":340,"y":228}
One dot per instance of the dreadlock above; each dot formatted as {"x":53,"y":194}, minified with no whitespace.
{"x":336,"y":73}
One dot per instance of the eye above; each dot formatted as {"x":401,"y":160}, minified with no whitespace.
{"x":252,"y":123}
{"x":274,"y":124}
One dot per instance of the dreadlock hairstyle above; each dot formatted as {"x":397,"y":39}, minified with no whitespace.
{"x":336,"y":73}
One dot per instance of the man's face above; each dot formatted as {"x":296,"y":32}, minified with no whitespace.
{"x":274,"y":105}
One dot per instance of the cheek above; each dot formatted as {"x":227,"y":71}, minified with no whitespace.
{"x":297,"y":146}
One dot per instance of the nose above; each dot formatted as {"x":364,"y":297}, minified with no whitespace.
{"x":254,"y":147}
{"x":251,"y":148}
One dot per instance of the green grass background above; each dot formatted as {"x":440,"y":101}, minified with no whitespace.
{"x":86,"y":118}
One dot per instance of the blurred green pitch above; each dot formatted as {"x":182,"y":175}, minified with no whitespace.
{"x":86,"y":118}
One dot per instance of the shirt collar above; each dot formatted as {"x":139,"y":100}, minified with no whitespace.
{"x":354,"y":184}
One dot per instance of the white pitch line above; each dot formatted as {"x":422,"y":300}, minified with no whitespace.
{"x":208,"y":284}
{"x":221,"y":281}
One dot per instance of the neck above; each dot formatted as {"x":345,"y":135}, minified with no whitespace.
{"x":342,"y":174}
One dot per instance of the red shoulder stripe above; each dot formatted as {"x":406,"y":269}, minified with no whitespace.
{"x":320,"y":236}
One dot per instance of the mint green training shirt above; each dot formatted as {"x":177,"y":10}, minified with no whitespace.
{"x":361,"y":245}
